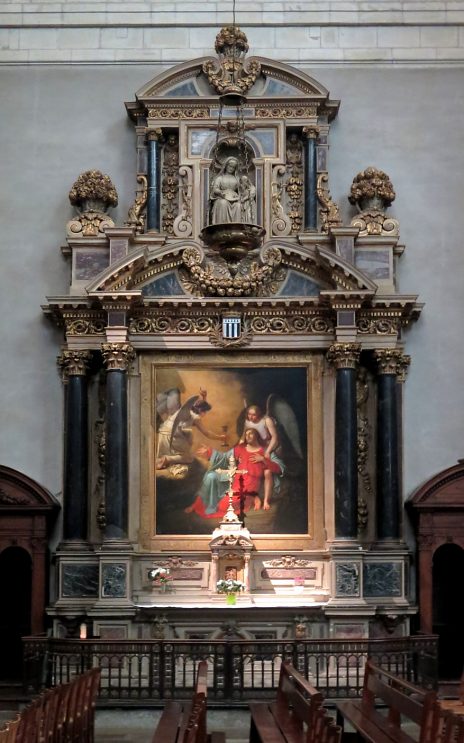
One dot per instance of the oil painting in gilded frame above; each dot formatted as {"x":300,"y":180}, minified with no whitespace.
{"x":201,"y":412}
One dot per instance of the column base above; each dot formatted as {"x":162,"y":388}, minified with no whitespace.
{"x":74,"y":545}
{"x":116,"y":545}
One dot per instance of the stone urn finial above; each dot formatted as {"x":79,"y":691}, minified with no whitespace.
{"x":372,"y":192}
{"x":92,"y":194}
{"x":371,"y":189}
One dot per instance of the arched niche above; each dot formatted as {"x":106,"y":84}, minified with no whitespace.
{"x":437,"y":509}
{"x":26,"y":513}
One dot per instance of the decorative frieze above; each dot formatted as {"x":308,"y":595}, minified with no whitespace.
{"x":272,"y":321}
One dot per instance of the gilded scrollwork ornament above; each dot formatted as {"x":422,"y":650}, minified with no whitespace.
{"x":92,"y":194}
{"x":117,"y":356}
{"x":281,"y":223}
{"x":207,"y":274}
{"x":183,"y":225}
{"x":329,"y":211}
{"x":231,"y":72}
{"x":375,"y":222}
{"x":136,"y":214}
{"x":217,"y":339}
{"x":85,"y":326}
{"x":170,"y":184}
{"x":285,"y":112}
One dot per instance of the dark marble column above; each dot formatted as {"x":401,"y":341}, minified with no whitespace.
{"x":391,"y":362}
{"x":117,"y":358}
{"x":345,"y":356}
{"x":310,"y":178}
{"x":154,"y":180}
{"x":75,"y":507}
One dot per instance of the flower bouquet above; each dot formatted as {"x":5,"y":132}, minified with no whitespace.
{"x":231,"y":587}
{"x":160,"y":577}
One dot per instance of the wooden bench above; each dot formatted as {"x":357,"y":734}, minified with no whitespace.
{"x":455,"y":705}
{"x":186,"y":723}
{"x":296,"y":716}
{"x":65,"y":713}
{"x":403,"y":702}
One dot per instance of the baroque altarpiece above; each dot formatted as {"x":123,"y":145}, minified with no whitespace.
{"x":233,"y":368}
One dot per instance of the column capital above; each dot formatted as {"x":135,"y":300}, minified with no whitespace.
{"x":391,"y":361}
{"x":117,"y":356}
{"x":154,"y":135}
{"x":344,"y":355}
{"x":311,"y":132}
{"x":74,"y":363}
{"x":404,"y":364}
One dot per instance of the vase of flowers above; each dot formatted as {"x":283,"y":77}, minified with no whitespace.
{"x":230,"y":587}
{"x":161,"y":578}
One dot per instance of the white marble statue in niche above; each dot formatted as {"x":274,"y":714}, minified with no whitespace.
{"x":233,"y":196}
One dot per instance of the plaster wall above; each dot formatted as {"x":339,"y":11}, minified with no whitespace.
{"x":61,"y":120}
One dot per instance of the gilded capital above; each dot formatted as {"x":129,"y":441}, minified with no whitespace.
{"x":117,"y":356}
{"x":404,"y":364}
{"x":311,"y":132}
{"x":74,"y":363}
{"x":344,"y":355}
{"x":390,"y":361}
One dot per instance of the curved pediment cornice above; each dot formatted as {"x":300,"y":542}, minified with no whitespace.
{"x":296,"y":85}
{"x":145,"y":263}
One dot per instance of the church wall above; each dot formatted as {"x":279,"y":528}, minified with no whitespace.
{"x":60,"y":121}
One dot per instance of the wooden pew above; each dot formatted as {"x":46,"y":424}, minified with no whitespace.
{"x":65,"y":714}
{"x":401,"y":699}
{"x":186,"y":723}
{"x":296,"y":716}
{"x":9,"y":733}
{"x":455,"y":705}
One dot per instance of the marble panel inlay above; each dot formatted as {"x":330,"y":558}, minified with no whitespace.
{"x":347,"y":579}
{"x":382,"y":579}
{"x":186,"y":573}
{"x":79,"y":580}
{"x":114,"y":580}
{"x":289,"y":573}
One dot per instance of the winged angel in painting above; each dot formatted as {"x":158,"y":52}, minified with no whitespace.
{"x":174,"y":447}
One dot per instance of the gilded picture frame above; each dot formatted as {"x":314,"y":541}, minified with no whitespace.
{"x":184,"y":443}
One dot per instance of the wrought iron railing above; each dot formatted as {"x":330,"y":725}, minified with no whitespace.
{"x":138,"y":672}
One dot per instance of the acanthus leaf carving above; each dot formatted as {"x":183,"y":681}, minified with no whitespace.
{"x":330,"y":214}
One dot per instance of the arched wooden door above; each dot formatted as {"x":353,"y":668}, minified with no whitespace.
{"x":438,"y":510}
{"x":25,"y":512}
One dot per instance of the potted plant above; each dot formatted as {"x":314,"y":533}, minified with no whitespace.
{"x":230,"y":587}
{"x":160,"y":578}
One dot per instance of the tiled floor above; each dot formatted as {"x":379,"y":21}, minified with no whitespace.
{"x":137,"y":726}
